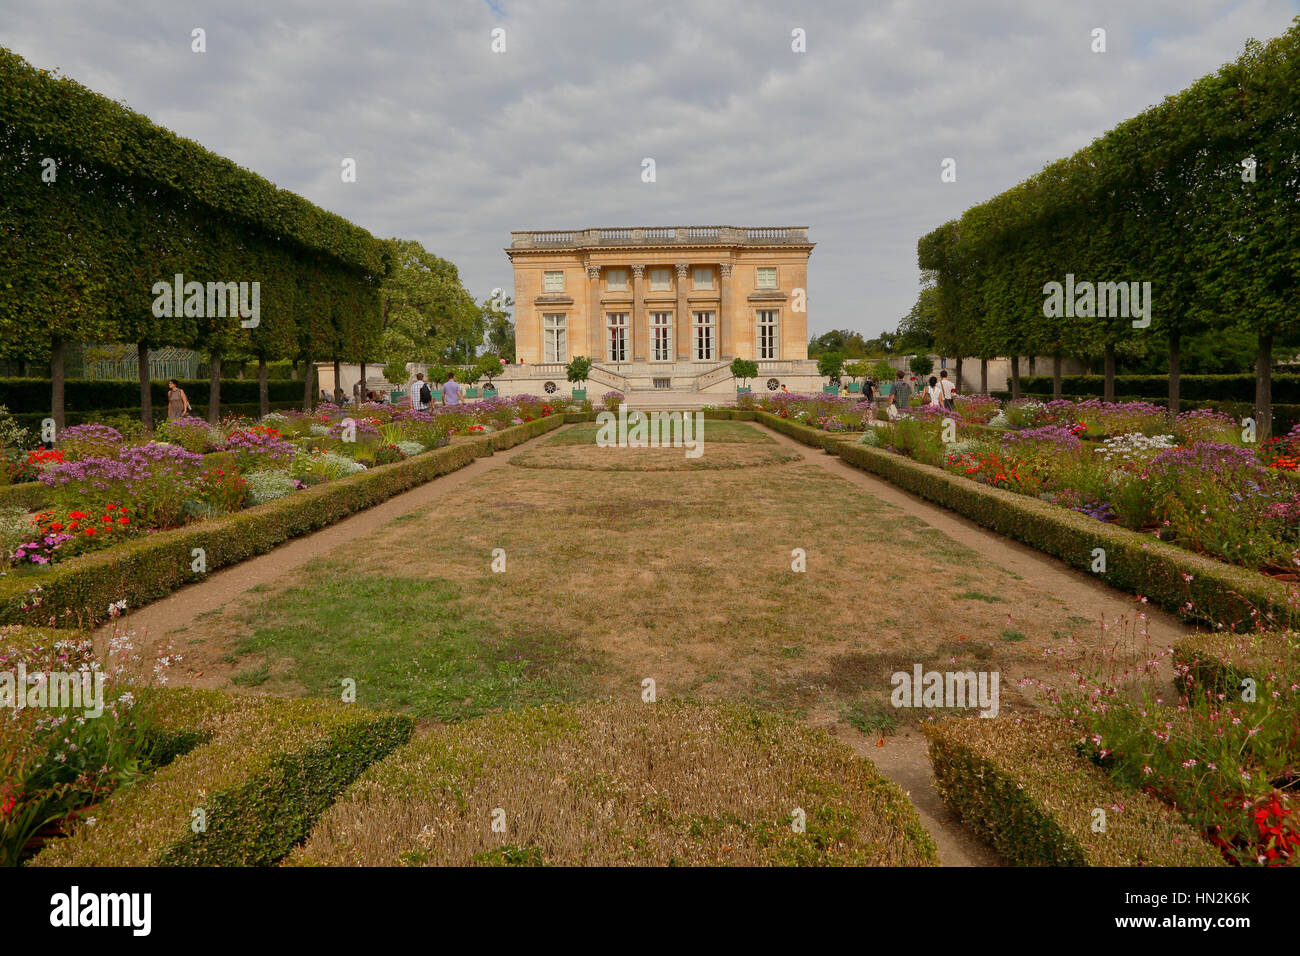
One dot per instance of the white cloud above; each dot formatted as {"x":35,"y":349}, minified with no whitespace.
{"x":456,"y":145}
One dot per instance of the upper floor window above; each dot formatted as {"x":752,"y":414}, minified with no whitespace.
{"x":553,"y":281}
{"x":660,"y":280}
{"x":767,"y":277}
{"x":616,"y":280}
{"x":703,"y":277}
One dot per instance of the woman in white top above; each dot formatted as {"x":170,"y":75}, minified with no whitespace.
{"x":933,"y":394}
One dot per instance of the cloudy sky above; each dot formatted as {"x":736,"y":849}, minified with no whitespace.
{"x":456,"y":145}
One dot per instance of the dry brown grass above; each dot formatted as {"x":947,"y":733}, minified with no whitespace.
{"x":621,"y":784}
{"x":712,"y":457}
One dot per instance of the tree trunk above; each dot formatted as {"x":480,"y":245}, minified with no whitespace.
{"x":1108,"y":388}
{"x":308,"y":392}
{"x":1056,"y":375}
{"x":1032,"y":360}
{"x":1015,"y":377}
{"x":56,"y":383}
{"x":957,"y":383}
{"x":146,"y":386}
{"x":214,"y":389}
{"x":338,"y":377}
{"x":984,"y":376}
{"x":1175,"y":358}
{"x":363,"y":381}
{"x":1264,"y":388}
{"x":22,"y":368}
{"x":263,"y":389}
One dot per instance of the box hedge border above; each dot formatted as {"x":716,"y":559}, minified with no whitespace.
{"x":268,"y":769}
{"x":1218,"y":663}
{"x":146,"y":569}
{"x":1021,"y":785}
{"x":1135,"y":562}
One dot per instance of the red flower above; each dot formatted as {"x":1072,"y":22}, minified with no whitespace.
{"x":123,"y":520}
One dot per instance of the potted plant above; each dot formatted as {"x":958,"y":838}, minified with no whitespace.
{"x":855,"y":371}
{"x":921,"y":365}
{"x":884,"y":375}
{"x":436,"y":375}
{"x":489,"y":366}
{"x":743,"y":369}
{"x":577,"y":371}
{"x":467,"y":377}
{"x":830,"y":364}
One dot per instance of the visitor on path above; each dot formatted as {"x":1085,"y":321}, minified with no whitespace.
{"x":340,"y":398}
{"x":178,"y":405}
{"x":947,"y":390}
{"x":356,"y":393}
{"x":868,"y":390}
{"x":451,"y":390}
{"x":324,"y":395}
{"x":933,"y":395}
{"x":899,"y":396}
{"x":421,"y":394}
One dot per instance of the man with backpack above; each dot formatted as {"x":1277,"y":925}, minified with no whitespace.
{"x":421,"y":395}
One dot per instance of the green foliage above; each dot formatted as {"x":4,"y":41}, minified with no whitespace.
{"x":744,"y":369}
{"x":921,"y":365}
{"x":578,"y":369}
{"x":829,"y":365}
{"x":1022,"y":786}
{"x":267,"y":769}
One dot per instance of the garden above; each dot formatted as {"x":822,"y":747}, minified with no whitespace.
{"x":98,"y":488}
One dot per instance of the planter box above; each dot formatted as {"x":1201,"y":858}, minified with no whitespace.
{"x":884,"y":389}
{"x":489,"y":392}
{"x":580,"y":394}
{"x":437,"y":394}
{"x":830,"y":389}
{"x":743,"y":390}
{"x":855,"y":387}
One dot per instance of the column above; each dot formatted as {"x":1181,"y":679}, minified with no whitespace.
{"x":726,"y":327}
{"x":683,"y":316}
{"x":595,"y":319}
{"x":640,"y":334}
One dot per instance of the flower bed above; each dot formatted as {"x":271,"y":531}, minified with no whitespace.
{"x":151,"y":566}
{"x":1222,"y":754}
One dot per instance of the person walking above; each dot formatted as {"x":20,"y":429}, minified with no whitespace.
{"x":421,"y":395}
{"x":451,"y":390}
{"x":340,"y":399}
{"x":933,"y":396}
{"x":178,"y":405}
{"x":947,"y":390}
{"x":899,"y":396}
{"x":868,"y":390}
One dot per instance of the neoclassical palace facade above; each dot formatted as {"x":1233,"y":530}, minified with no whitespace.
{"x":662,"y":307}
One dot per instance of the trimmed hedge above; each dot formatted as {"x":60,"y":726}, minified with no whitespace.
{"x":1021,"y":785}
{"x":149,"y":568}
{"x":1135,"y":562}
{"x":269,"y":768}
{"x":804,"y":434}
{"x":28,"y":494}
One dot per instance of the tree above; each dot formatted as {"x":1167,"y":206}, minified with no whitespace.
{"x":829,"y":365}
{"x":578,"y":369}
{"x":921,"y":365}
{"x":426,"y":314}
{"x":744,"y":369}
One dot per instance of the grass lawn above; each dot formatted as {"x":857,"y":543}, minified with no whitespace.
{"x":683,"y":577}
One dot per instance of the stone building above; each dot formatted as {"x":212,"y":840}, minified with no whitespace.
{"x":661,"y":309}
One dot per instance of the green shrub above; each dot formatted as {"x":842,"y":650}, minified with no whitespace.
{"x":268,"y":768}
{"x":1020,"y":785}
{"x":799,"y":432}
{"x":1219,"y":662}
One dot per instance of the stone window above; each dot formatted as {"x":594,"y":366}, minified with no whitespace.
{"x":616,"y":324}
{"x":704,"y":341}
{"x":703,"y":277}
{"x":767,"y":277}
{"x":661,"y":280}
{"x":616,"y":280}
{"x":661,"y":336}
{"x":553,"y":328}
{"x":767,"y":334}
{"x":553,"y":281}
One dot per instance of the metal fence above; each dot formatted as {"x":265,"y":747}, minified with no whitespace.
{"x":119,"y":363}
